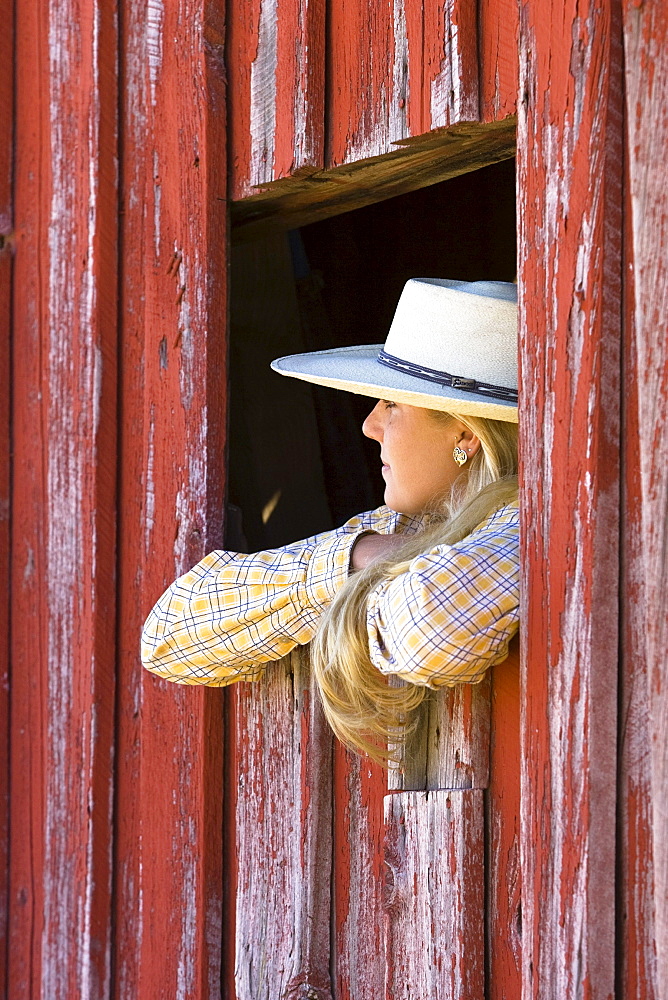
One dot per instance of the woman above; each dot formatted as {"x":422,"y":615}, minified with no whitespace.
{"x":424,"y":589}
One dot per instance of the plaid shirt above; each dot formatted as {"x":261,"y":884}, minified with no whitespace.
{"x":444,"y":621}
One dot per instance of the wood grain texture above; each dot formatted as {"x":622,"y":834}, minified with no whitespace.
{"x":283,"y":837}
{"x":309,"y":91}
{"x":276,"y":67}
{"x":358,"y":964}
{"x":450,"y":748}
{"x":502,"y":819}
{"x":168,"y":884}
{"x":6,"y":242}
{"x":434,"y":857}
{"x":63,"y":530}
{"x":414,"y":163}
{"x":498,"y":28}
{"x":397,"y":69}
{"x":443,"y":71}
{"x":569,"y":161}
{"x":646,"y":68}
{"x":636,"y":935}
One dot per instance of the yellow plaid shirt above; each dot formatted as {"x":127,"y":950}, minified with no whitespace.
{"x":444,"y":621}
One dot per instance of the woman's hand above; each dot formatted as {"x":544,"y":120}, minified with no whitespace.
{"x":370,"y":547}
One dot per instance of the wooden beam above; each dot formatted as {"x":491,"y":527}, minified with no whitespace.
{"x":435,"y":894}
{"x":636,"y":910}
{"x":283,"y":812}
{"x":358,"y":877}
{"x":63,"y":500}
{"x":276,"y":68}
{"x":502,"y":814}
{"x":646,"y":78}
{"x":569,"y":184}
{"x":168,"y":889}
{"x":310,"y":195}
{"x":6,"y":251}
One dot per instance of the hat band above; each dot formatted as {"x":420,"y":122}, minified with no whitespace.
{"x":445,"y":379}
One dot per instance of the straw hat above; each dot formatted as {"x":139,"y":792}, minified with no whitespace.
{"x":452,"y":346}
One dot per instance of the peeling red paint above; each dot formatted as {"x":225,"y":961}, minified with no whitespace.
{"x":169,"y":771}
{"x":394,"y":70}
{"x":570,"y":267}
{"x":645,"y":66}
{"x":6,"y":227}
{"x":435,"y":924}
{"x":283,"y":851}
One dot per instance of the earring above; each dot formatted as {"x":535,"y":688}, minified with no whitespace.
{"x":460,"y":456}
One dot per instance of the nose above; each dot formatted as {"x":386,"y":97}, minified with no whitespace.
{"x":373,"y":425}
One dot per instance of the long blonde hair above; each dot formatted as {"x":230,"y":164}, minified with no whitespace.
{"x":367,"y":714}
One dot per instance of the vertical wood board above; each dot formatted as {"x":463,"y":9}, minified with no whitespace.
{"x":398,"y":70}
{"x":450,"y":748}
{"x":434,"y":932}
{"x":283,"y":837}
{"x":63,"y":532}
{"x":569,"y":159}
{"x":6,"y":248}
{"x":636,"y":934}
{"x":168,"y":887}
{"x":275,"y":57}
{"x":498,"y":29}
{"x":312,"y":88}
{"x":359,"y":787}
{"x":646,"y":68}
{"x":503,"y":916}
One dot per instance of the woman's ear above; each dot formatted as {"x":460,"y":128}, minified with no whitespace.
{"x":468,"y":440}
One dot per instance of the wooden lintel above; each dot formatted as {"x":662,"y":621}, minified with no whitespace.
{"x":310,"y":195}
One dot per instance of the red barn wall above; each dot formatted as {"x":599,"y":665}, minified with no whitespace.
{"x":113,"y":252}
{"x":315,"y":86}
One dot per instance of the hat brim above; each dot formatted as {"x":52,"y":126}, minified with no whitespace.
{"x":357,"y":369}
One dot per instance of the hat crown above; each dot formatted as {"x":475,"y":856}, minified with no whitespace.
{"x":464,"y":329}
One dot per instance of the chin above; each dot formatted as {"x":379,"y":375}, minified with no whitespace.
{"x":402,"y":505}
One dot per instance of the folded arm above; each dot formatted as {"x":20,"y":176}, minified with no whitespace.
{"x":233,"y":613}
{"x":453,"y":613}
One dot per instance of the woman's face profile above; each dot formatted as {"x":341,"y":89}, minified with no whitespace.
{"x":416,"y":451}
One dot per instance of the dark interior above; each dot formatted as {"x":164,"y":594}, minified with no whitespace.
{"x":298,"y":461}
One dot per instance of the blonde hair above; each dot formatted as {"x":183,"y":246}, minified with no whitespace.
{"x":367,"y":713}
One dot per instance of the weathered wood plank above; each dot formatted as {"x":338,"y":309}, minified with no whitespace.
{"x":646,"y":69}
{"x":443,"y":76}
{"x":636,"y":947}
{"x":395,"y":69}
{"x":569,"y":161}
{"x":415,"y":163}
{"x":6,"y":226}
{"x":283,"y":837}
{"x":450,"y":747}
{"x":502,"y":869}
{"x":398,"y":69}
{"x":434,"y":931}
{"x":359,"y":788}
{"x":367,"y":62}
{"x":498,"y":27}
{"x":63,"y":531}
{"x":276,"y":65}
{"x":173,"y":298}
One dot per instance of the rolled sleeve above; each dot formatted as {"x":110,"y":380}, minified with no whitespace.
{"x":232,"y":613}
{"x":454,"y":612}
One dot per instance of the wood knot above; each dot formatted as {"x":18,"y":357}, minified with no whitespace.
{"x":300,"y":990}
{"x":394,"y":896}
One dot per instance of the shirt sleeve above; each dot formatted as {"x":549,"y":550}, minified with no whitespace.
{"x":454,"y":612}
{"x":233,"y":613}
